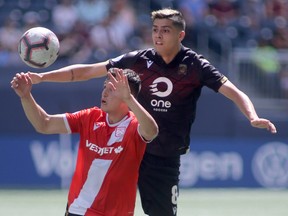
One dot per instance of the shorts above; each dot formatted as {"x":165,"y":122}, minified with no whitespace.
{"x":158,"y":185}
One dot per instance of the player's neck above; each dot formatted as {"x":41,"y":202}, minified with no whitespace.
{"x":116,"y":117}
{"x":168,"y":59}
{"x":169,"y":56}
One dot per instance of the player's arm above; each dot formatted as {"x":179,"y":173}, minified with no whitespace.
{"x":41,"y":121}
{"x":245,"y":105}
{"x":72,"y":73}
{"x":148,"y":127}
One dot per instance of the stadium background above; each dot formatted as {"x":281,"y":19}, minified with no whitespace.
{"x":246,"y":39}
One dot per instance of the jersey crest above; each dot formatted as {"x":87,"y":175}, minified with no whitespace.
{"x":119,"y":132}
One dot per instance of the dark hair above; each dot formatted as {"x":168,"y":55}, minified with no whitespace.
{"x":133,"y":79}
{"x":171,"y":14}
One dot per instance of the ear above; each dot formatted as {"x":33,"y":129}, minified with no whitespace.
{"x":181,"y":35}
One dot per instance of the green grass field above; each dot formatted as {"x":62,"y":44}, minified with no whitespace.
{"x":196,"y":202}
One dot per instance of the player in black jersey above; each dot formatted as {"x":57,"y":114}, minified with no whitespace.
{"x":172,"y":78}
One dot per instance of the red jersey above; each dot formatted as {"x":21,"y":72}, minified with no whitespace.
{"x":109,"y":156}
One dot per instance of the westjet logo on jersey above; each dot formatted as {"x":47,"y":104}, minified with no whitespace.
{"x":161,"y":105}
{"x":105,"y":150}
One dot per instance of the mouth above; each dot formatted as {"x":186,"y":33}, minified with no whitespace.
{"x":158,"y":43}
{"x":103,"y":102}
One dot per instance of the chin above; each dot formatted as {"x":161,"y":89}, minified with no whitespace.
{"x":158,"y":49}
{"x":103,"y":108}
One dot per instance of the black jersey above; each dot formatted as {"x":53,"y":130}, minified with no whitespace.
{"x":170,"y":92}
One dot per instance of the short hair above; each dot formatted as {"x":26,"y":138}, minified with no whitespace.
{"x":133,"y":80}
{"x":171,"y":14}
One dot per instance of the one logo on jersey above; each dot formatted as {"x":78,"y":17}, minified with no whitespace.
{"x":161,"y":87}
{"x":182,"y":70}
{"x":160,"y":81}
{"x":149,"y":63}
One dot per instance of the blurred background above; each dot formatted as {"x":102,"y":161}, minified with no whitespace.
{"x":247,"y":40}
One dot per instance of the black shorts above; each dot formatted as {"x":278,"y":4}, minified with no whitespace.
{"x":158,"y":185}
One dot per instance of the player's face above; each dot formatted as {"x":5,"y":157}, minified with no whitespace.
{"x":110,"y":103}
{"x":166,"y":37}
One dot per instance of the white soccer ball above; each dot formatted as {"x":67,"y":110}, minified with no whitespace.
{"x":38,"y":47}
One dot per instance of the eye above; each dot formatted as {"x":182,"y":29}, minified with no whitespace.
{"x":154,"y":30}
{"x":104,"y":85}
{"x":166,"y":31}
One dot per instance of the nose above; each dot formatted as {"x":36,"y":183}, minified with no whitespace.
{"x":105,"y":92}
{"x":159,"y":34}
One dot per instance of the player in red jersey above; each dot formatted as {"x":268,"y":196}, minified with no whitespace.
{"x":112,"y":144}
{"x":172,"y":78}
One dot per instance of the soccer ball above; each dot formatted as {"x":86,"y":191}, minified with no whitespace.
{"x":38,"y":47}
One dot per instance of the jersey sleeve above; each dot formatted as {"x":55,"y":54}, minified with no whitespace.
{"x":75,"y":122}
{"x":123,"y":61}
{"x":210,"y":76}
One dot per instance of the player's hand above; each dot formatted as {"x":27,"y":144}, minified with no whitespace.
{"x":35,"y":77}
{"x":22,"y":84}
{"x":264,"y":123}
{"x":120,"y":84}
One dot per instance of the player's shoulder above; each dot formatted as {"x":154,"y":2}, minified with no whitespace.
{"x":131,"y":56}
{"x":89,"y":112}
{"x":141,"y":52}
{"x":193,"y":56}
{"x":186,"y":51}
